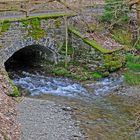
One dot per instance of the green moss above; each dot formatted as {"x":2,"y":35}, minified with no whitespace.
{"x":5,"y":26}
{"x":37,"y":33}
{"x":113,"y":62}
{"x":97,"y":75}
{"x":15,"y":92}
{"x":35,"y":23}
{"x":105,"y":74}
{"x":60,"y":71}
{"x":25,"y":23}
{"x":34,"y":29}
{"x":92,"y":43}
{"x":44,"y":16}
{"x":58,"y":23}
{"x":87,"y":41}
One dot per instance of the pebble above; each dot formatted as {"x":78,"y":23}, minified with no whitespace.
{"x":44,"y":120}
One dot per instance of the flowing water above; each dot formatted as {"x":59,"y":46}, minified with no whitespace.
{"x":103,"y":115}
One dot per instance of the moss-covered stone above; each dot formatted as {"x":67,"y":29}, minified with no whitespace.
{"x":34,"y":28}
{"x":44,"y":16}
{"x":4,"y":27}
{"x":112,"y":62}
{"x":15,"y":92}
{"x":58,"y":23}
{"x":60,"y":71}
{"x":97,"y":75}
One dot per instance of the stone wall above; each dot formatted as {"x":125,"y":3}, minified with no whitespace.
{"x":87,"y":54}
{"x":46,"y":32}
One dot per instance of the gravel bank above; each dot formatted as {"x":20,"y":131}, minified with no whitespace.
{"x":45,"y":120}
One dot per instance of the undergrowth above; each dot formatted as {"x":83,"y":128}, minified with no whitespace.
{"x":132,"y":76}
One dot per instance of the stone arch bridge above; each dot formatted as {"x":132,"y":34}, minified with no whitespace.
{"x":46,"y":34}
{"x":47,"y":31}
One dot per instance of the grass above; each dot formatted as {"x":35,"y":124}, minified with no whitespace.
{"x":132,"y":76}
{"x":138,"y":46}
{"x":133,"y":58}
{"x":132,"y":79}
{"x":134,"y":66}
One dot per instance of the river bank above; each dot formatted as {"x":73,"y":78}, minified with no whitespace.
{"x":104,"y":109}
{"x":49,"y":117}
{"x":46,"y":120}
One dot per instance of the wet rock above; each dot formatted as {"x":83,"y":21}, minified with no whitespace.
{"x":67,"y":109}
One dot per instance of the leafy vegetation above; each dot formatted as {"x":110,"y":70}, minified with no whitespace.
{"x":116,"y":12}
{"x":15,"y":92}
{"x":132,"y":76}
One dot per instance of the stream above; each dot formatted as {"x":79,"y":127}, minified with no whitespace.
{"x":104,"y":114}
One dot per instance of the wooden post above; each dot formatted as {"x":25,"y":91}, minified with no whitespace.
{"x":66,"y":41}
{"x":27,"y":8}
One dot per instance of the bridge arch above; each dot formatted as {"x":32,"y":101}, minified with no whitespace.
{"x":30,"y":56}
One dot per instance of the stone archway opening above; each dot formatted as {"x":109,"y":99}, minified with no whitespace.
{"x":30,"y":57}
